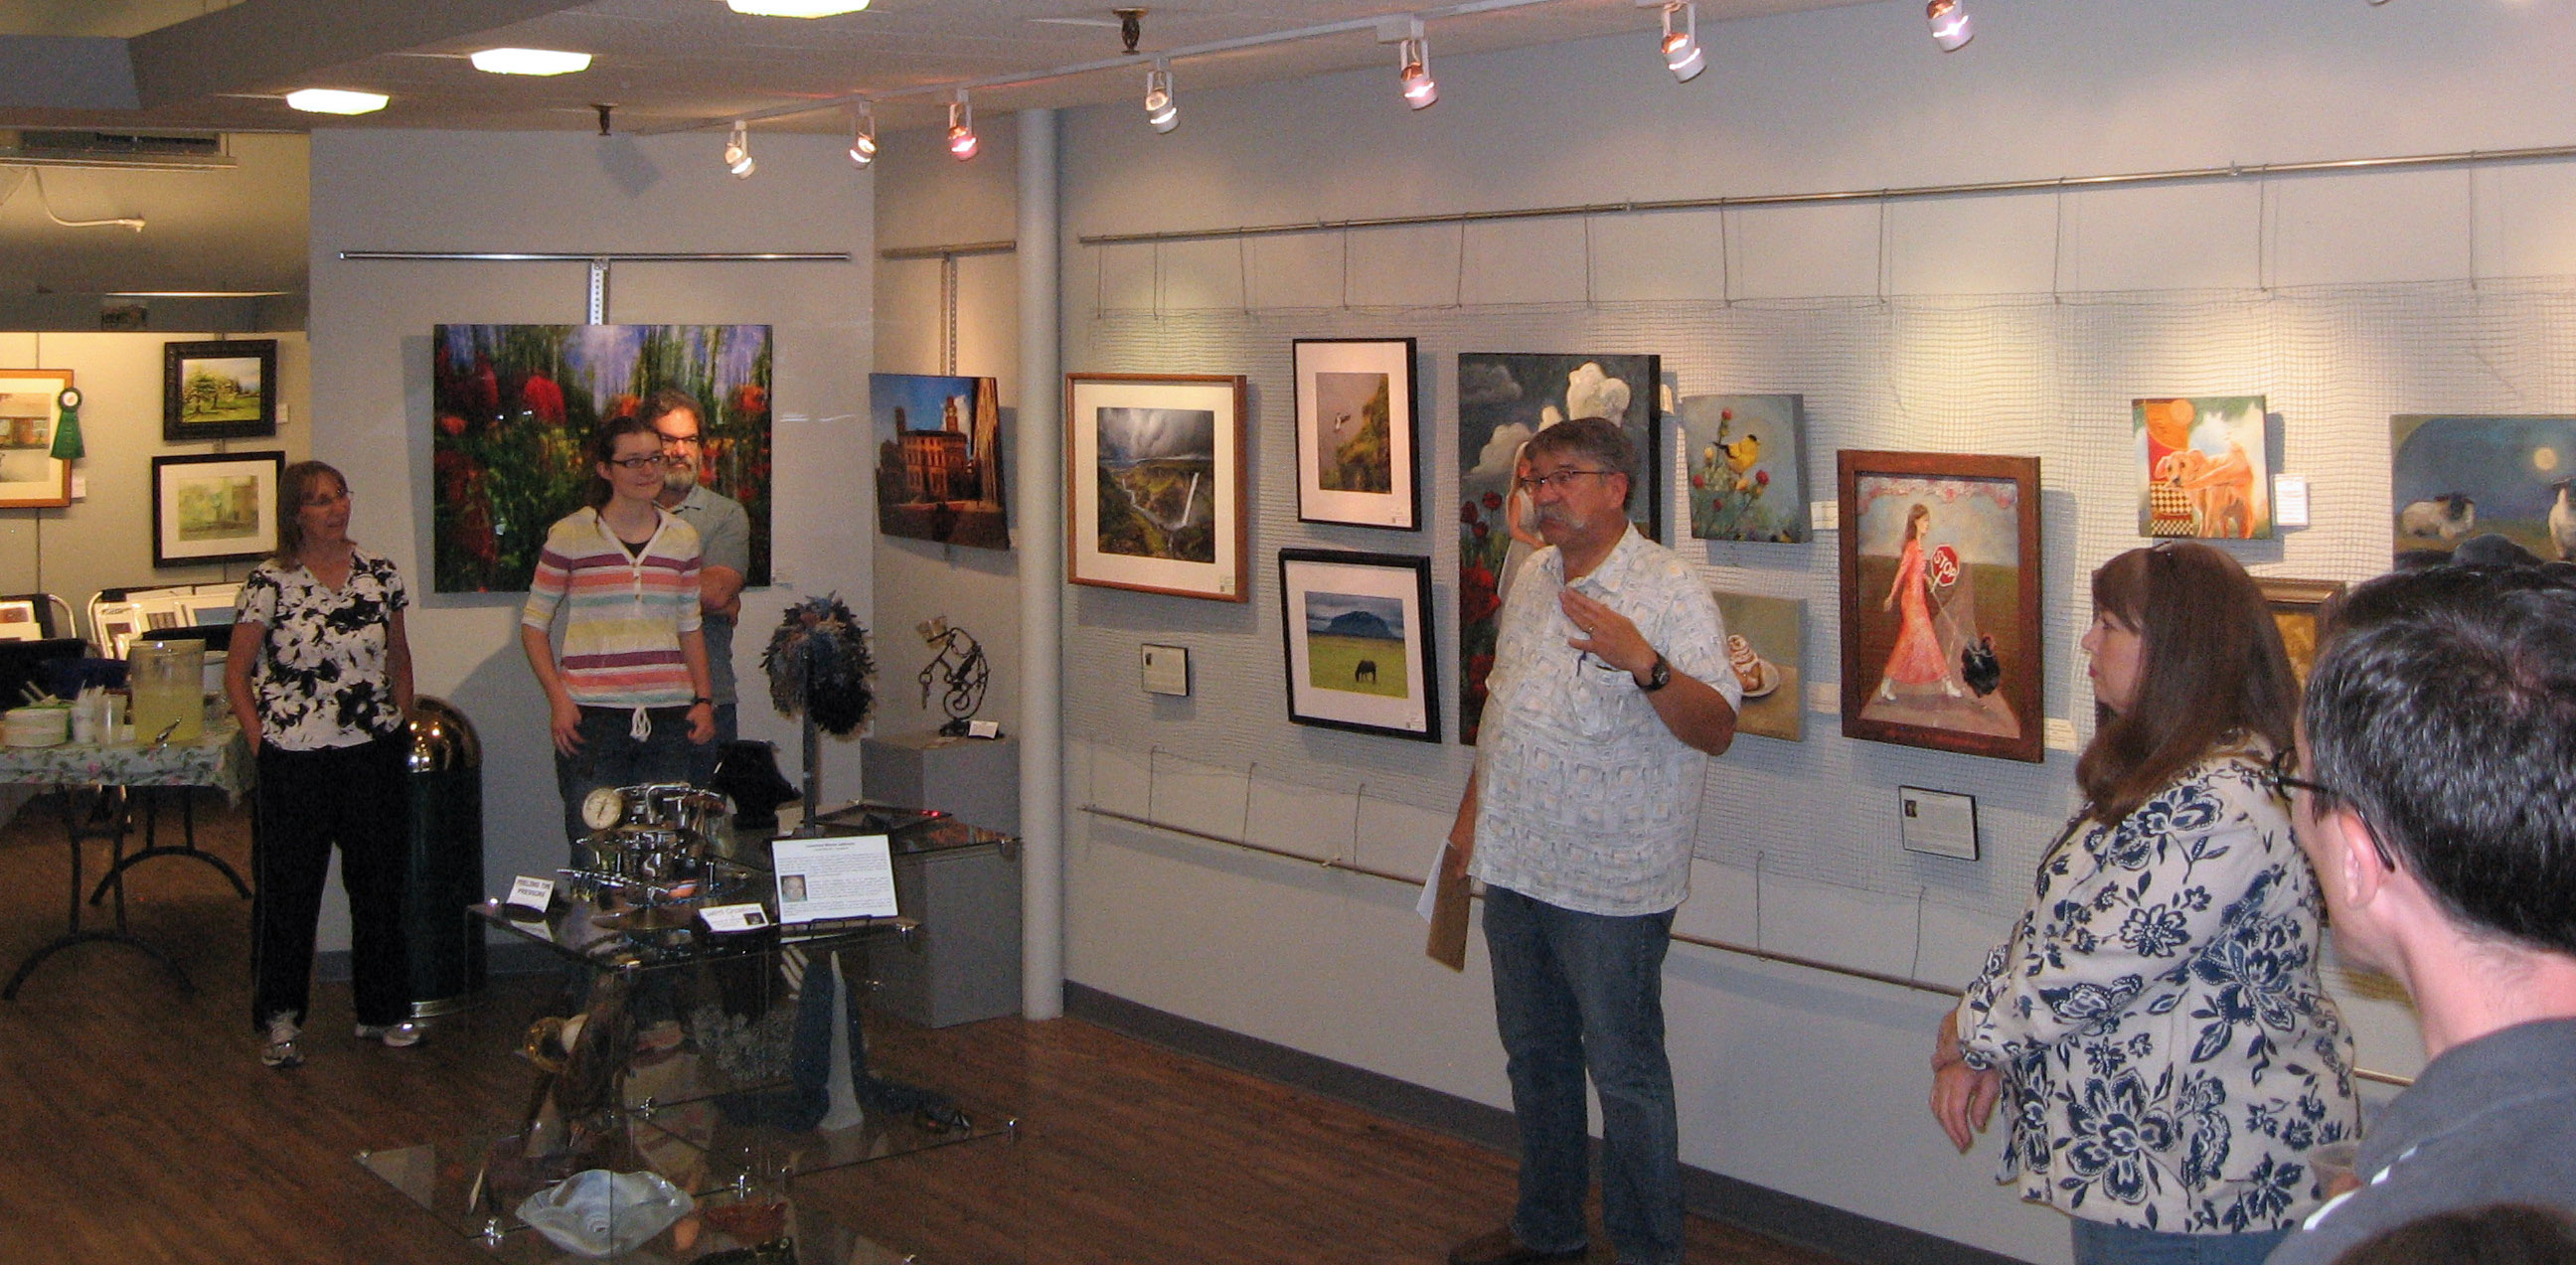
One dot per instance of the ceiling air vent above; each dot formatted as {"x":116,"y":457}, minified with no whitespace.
{"x":151,"y":151}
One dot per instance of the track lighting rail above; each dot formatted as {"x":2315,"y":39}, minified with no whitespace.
{"x":2187,"y":175}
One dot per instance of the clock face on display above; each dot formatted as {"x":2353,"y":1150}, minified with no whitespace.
{"x":603,"y":807}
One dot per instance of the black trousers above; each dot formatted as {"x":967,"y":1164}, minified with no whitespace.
{"x":308,"y":801}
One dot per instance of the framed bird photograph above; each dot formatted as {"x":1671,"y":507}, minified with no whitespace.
{"x":1358,"y":438}
{"x":1745,"y":461}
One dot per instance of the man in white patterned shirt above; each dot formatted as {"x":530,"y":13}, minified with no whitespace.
{"x":1610,"y":681}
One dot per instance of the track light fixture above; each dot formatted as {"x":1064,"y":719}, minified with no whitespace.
{"x":1950,"y":27}
{"x":1413,"y":74}
{"x":961,"y":127}
{"x":1682,"y":54}
{"x":737,"y":152}
{"x":863,"y":137}
{"x":1161,"y":110}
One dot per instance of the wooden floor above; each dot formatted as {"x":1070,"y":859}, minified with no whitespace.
{"x":136,"y":1124}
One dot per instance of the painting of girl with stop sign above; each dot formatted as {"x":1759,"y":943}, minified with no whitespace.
{"x":1940,"y":602}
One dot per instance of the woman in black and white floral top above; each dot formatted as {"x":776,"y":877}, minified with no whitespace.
{"x":319,"y":675}
{"x":2156,"y":1017}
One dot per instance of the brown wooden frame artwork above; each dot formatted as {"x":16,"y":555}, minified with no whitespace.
{"x":2298,"y":607}
{"x":36,"y":399}
{"x":1154,"y":441}
{"x":1991,"y":683}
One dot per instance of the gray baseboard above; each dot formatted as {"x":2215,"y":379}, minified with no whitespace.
{"x":1817,"y":1227}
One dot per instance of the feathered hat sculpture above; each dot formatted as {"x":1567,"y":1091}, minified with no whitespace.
{"x":818,"y":665}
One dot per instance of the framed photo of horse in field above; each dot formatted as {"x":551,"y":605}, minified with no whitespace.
{"x":1154,"y":486}
{"x":1358,"y":632}
{"x":1940,"y":602}
{"x":218,"y":390}
{"x":1358,"y":438}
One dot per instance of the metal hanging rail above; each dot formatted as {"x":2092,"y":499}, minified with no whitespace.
{"x":599,"y":262}
{"x":1723,"y":946}
{"x":2186,"y":175}
{"x":958,"y":250}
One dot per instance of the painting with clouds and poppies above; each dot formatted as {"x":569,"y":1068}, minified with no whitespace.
{"x":1503,"y":399}
{"x":514,"y":407}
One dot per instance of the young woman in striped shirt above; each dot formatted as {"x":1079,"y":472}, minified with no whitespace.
{"x":630,"y":694}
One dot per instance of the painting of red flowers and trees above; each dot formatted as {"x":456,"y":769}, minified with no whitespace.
{"x":1503,"y":399}
{"x":515,"y":406}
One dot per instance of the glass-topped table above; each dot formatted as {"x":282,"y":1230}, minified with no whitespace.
{"x":732,"y":1067}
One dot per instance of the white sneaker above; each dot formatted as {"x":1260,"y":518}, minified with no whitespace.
{"x":279,"y":1051}
{"x":394,"y":1035}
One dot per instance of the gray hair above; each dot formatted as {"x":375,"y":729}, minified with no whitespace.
{"x":1598,"y":439}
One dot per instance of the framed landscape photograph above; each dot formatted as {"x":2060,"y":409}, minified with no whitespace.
{"x":2296,"y":605}
{"x":512,"y":409}
{"x":1765,"y":637}
{"x":218,"y":390}
{"x":1155,"y":495}
{"x":1504,"y":398}
{"x":939,"y":459}
{"x":1358,"y":631}
{"x":30,"y":405}
{"x":220,"y":507}
{"x":1358,"y":439}
{"x":1940,"y":601}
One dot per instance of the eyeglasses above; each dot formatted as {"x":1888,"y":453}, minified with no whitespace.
{"x":2276,"y":779}
{"x":1560,"y":480}
{"x":655,"y":461}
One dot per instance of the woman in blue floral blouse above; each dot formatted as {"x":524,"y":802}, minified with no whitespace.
{"x":2156,"y":1016}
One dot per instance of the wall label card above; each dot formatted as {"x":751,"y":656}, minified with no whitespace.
{"x":851,"y":876}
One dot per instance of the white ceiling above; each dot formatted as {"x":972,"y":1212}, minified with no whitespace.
{"x":667,"y":64}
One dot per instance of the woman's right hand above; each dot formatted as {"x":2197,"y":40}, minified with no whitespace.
{"x":567,"y":726}
{"x":1963,"y":1100}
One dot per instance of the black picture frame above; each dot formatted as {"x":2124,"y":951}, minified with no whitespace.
{"x":1373,"y":597}
{"x":201,"y":397}
{"x":226,"y":501}
{"x":1327,"y":410}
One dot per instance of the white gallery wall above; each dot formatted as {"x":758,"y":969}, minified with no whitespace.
{"x":574,"y":192}
{"x":2312,"y":289}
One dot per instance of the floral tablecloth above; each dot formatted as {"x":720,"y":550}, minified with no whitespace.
{"x":220,"y":759}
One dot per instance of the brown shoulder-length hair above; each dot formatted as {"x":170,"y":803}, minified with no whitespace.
{"x":603,"y":449}
{"x":292,"y":487}
{"x":2211,"y":669}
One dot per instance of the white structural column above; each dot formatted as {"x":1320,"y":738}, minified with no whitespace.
{"x":1039,"y":513}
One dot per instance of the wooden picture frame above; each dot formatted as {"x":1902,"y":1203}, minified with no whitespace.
{"x":225,"y":389}
{"x":1358,"y":640}
{"x":215,"y":507}
{"x":2297,"y":608}
{"x":30,"y":408}
{"x":1940,"y":602}
{"x":1176,"y":440}
{"x":1359,"y":434}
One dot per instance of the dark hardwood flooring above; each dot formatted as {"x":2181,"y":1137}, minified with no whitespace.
{"x":136,"y":1124}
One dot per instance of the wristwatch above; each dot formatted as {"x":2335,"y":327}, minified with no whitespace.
{"x":1658,"y":676}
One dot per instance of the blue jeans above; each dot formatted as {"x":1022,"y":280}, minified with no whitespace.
{"x":2100,"y":1243}
{"x":609,"y":755}
{"x":1576,"y":992}
{"x":702,"y":761}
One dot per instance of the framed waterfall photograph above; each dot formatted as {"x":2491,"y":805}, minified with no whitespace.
{"x":1359,"y":646}
{"x":1154,"y":487}
{"x":1358,"y":439}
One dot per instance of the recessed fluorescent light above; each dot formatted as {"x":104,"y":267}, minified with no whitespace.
{"x":530,"y":61}
{"x":196,"y":294}
{"x":336,"y":101}
{"x":795,"y":8}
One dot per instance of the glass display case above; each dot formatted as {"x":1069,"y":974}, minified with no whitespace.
{"x":692,"y":1091}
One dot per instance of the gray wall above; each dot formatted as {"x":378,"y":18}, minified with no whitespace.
{"x":1796,"y":1080}
{"x":567,"y":191}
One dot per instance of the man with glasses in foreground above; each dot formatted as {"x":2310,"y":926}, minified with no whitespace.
{"x":2439,"y":808}
{"x":1610,"y":680}
{"x":724,"y":553}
